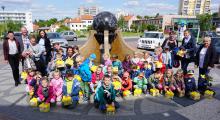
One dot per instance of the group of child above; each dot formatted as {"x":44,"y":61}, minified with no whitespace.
{"x":80,"y":78}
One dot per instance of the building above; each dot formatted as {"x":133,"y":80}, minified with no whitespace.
{"x":23,"y":17}
{"x":129,"y":20}
{"x":79,"y":23}
{"x":194,"y":7}
{"x":171,"y":22}
{"x":120,"y":13}
{"x":93,"y":11}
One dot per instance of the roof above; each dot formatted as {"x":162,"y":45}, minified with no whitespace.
{"x":86,"y":17}
{"x":79,"y":19}
{"x":127,"y":18}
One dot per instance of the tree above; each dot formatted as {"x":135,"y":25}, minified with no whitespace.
{"x":143,"y":27}
{"x":151,"y":27}
{"x":205,"y":21}
{"x":215,"y":14}
{"x":134,"y":27}
{"x":157,"y":15}
{"x":121,"y":23}
{"x":146,"y":17}
{"x":63,"y":28}
{"x":139,"y":17}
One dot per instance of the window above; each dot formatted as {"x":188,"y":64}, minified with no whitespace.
{"x":71,"y":33}
{"x":76,"y":25}
{"x":66,"y":33}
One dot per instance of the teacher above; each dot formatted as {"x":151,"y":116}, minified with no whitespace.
{"x":11,"y":49}
{"x":205,"y":56}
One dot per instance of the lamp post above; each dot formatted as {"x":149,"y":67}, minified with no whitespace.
{"x":3,"y":9}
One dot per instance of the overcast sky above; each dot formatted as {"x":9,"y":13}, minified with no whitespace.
{"x":45,"y":9}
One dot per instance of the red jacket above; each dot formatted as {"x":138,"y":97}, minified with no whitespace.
{"x":6,"y":48}
{"x":94,"y":77}
{"x":41,"y":96}
{"x":126,"y":84}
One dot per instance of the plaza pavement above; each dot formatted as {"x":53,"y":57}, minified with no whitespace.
{"x":14,"y":105}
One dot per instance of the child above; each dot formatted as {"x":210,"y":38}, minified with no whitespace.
{"x":117,"y":63}
{"x":190,"y":84}
{"x":30,"y":77}
{"x":148,"y":70}
{"x":71,"y":87}
{"x":105,"y":95}
{"x":109,"y":71}
{"x":86,"y":75}
{"x":96,"y":78}
{"x":134,"y":71}
{"x":135,"y":60}
{"x":126,"y":82}
{"x":90,"y":60}
{"x":57,"y":83}
{"x":127,"y":63}
{"x":45,"y":92}
{"x":107,"y":60}
{"x":168,"y":82}
{"x":179,"y":79}
{"x":167,"y":59}
{"x":155,"y":80}
{"x":116,"y":81}
{"x":141,"y":82}
{"x":34,"y":83}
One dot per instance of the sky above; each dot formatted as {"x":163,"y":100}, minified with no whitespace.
{"x":45,"y":9}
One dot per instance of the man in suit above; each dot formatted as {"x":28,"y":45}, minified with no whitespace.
{"x":23,"y":42}
{"x":189,"y":45}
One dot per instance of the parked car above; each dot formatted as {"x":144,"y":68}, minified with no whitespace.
{"x":55,"y":37}
{"x":150,"y":40}
{"x":69,"y":35}
{"x":216,"y":43}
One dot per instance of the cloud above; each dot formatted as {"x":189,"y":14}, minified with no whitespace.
{"x":215,"y":7}
{"x":89,"y":1}
{"x":131,"y":3}
{"x":16,"y":1}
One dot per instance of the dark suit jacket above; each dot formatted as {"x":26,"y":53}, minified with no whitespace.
{"x":209,"y":57}
{"x":6,"y":48}
{"x":190,"y":46}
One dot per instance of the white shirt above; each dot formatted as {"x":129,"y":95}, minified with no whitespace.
{"x":12,"y":47}
{"x":187,"y":40}
{"x":202,"y":57}
{"x":42,"y":44}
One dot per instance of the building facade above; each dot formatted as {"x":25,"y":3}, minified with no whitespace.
{"x":93,"y":11}
{"x":79,"y":23}
{"x":23,"y":17}
{"x":194,"y":7}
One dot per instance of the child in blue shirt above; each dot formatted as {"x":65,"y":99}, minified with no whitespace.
{"x":147,"y":70}
{"x":190,"y":84}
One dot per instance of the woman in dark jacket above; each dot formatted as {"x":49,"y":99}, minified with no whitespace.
{"x":205,"y":56}
{"x":12,"y":52}
{"x":170,"y":41}
{"x":46,"y":46}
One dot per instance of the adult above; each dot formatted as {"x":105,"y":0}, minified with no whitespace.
{"x":12,"y":51}
{"x":205,"y":56}
{"x":34,"y":51}
{"x":171,"y":41}
{"x":44,"y":42}
{"x":23,"y":42}
{"x":75,"y":55}
{"x":189,"y":46}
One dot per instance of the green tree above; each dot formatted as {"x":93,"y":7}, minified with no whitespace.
{"x":215,"y":14}
{"x":157,"y":15}
{"x":63,"y":28}
{"x":121,"y":23}
{"x":146,"y":17}
{"x":205,"y":21}
{"x":134,"y":27}
{"x":151,"y":27}
{"x":139,"y":17}
{"x":143,"y":27}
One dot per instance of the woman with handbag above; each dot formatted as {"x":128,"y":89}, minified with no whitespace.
{"x":12,"y":54}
